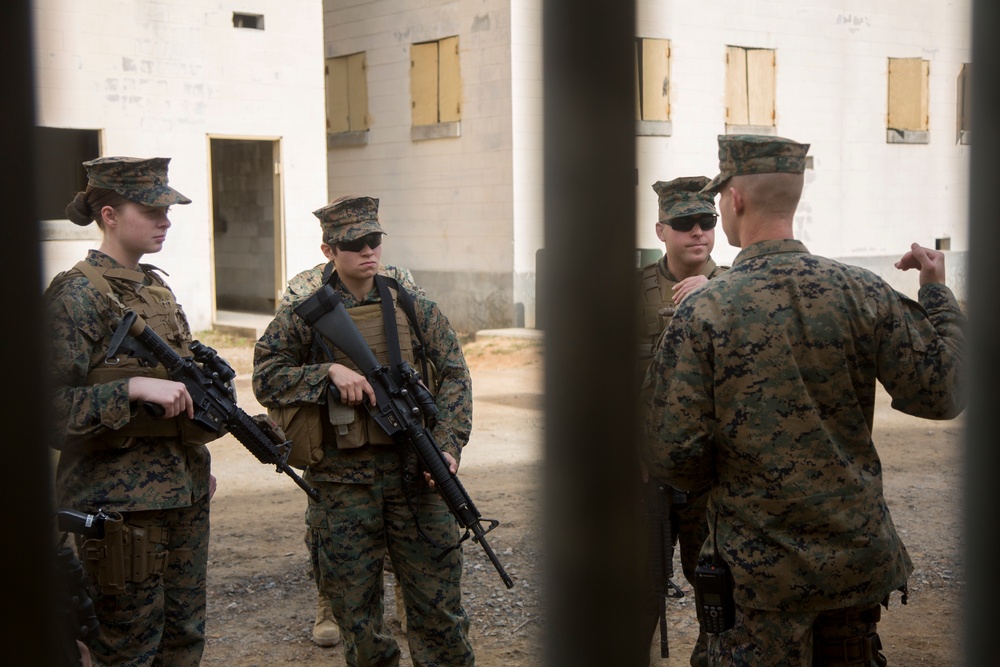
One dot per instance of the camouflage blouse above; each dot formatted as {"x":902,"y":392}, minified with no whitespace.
{"x":765,"y":389}
{"x":151,"y":472}
{"x":290,"y":370}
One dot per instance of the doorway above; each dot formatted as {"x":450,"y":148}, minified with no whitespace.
{"x":247,"y":225}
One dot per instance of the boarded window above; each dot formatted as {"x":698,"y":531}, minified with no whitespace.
{"x":346,"y":94}
{"x":965,"y":98}
{"x":652,"y":58}
{"x":750,"y":85}
{"x":908,"y":85}
{"x":435,"y":82}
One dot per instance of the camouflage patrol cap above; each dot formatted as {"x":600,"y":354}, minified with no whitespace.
{"x":349,"y":219}
{"x":741,"y":154}
{"x":142,"y":180}
{"x":683,"y":196}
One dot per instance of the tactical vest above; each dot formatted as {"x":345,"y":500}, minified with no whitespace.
{"x":155,"y":303}
{"x":657,"y":309}
{"x":352,"y":426}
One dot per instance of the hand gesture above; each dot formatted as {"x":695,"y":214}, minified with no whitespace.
{"x":686,"y":286}
{"x":929,"y":262}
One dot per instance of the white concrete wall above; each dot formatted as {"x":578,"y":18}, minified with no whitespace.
{"x":864,"y":197}
{"x":447,"y":204}
{"x":157,"y":78}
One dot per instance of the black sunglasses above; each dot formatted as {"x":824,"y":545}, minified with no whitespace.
{"x":687,"y":223}
{"x":372,"y":240}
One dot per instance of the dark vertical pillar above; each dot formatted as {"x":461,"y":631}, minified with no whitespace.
{"x":590,"y":331}
{"x":27,"y":622}
{"x":982,"y":498}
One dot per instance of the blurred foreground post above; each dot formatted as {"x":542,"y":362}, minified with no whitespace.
{"x":590,"y":332}
{"x":982,"y":467}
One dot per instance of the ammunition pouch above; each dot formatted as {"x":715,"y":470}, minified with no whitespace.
{"x":303,"y":425}
{"x":847,"y":638}
{"x":128,"y":553}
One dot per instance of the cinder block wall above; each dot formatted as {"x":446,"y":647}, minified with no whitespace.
{"x":447,"y":203}
{"x":864,"y":197}
{"x":158,"y":79}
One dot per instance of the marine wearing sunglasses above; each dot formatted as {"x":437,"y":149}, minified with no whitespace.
{"x":372,"y":240}
{"x":687,"y":223}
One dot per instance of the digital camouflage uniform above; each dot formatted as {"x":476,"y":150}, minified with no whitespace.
{"x":364,"y":513}
{"x":765,"y":388}
{"x":677,"y":198}
{"x":157,"y":482}
{"x":306,"y":283}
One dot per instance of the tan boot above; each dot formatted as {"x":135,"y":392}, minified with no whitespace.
{"x":325,"y":630}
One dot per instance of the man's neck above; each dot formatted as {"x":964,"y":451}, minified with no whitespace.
{"x":359,"y":289}
{"x":773,"y":229}
{"x":680,"y":271}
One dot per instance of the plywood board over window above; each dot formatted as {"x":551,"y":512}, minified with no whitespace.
{"x":424,"y":82}
{"x":435,"y":82}
{"x":964,"y":103}
{"x":653,"y":76}
{"x":908,"y":95}
{"x":760,"y":86}
{"x":450,"y":85}
{"x":750,"y":89}
{"x":346,"y":94}
{"x":737,"y":102}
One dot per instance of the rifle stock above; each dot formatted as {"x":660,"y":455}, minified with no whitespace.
{"x":400,"y":401}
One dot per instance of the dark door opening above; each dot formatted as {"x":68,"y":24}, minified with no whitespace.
{"x":245,"y":206}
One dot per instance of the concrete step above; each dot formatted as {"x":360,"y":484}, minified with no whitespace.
{"x":237,"y":323}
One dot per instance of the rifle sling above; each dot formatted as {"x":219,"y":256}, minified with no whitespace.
{"x":408,"y":305}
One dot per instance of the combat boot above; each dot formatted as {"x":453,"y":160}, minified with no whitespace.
{"x":325,"y":630}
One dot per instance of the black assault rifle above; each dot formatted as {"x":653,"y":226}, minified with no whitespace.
{"x":662,"y":534}
{"x":400,"y":399}
{"x":207,"y":377}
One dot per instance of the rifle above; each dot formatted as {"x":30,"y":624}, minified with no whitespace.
{"x":660,"y":498}
{"x":400,"y":400}
{"x":207,"y":377}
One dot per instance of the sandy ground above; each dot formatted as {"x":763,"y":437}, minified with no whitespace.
{"x":262,"y":600}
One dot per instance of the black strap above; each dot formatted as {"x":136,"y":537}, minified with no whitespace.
{"x":407,"y":303}
{"x":389,"y":320}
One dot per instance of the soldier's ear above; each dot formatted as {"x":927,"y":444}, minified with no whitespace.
{"x":327,"y":250}
{"x":660,"y":231}
{"x":109,"y":217}
{"x":739,"y":203}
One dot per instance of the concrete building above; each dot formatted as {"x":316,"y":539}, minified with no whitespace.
{"x":271,"y":109}
{"x":877,"y":89}
{"x":439,"y":115}
{"x":232,"y":92}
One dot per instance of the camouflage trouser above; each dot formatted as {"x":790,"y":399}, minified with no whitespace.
{"x":160,"y":621}
{"x":788,"y":639}
{"x":692,"y":531}
{"x":353,"y":527}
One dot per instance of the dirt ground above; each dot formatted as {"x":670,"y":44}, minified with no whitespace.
{"x":261,"y":598}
